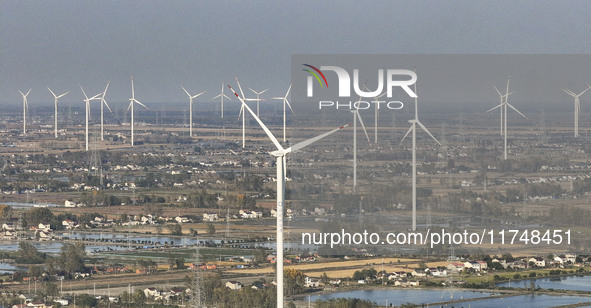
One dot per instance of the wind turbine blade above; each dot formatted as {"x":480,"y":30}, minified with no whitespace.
{"x":569,"y":92}
{"x":427,"y":131}
{"x":83,"y":92}
{"x":289,"y":89}
{"x":583,"y":92}
{"x":105,"y":102}
{"x":62,"y":94}
{"x":523,"y":115}
{"x":186,"y":91}
{"x":132,"y":88}
{"x":21,"y":92}
{"x":408,"y":132}
{"x":267,"y":131}
{"x":51,"y":92}
{"x":226,"y":96}
{"x":129,"y":107}
{"x":135,"y":100}
{"x":305,"y":143}
{"x":241,"y":93}
{"x":96,"y":96}
{"x":288,"y":105}
{"x":498,"y":91}
{"x":28,"y":92}
{"x":500,"y":105}
{"x":241,"y":110}
{"x":263,"y":91}
{"x":106,"y":88}
{"x":255,"y":92}
{"x":198,"y":94}
{"x":362,"y":125}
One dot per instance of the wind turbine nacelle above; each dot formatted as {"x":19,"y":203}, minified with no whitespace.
{"x":361,"y":105}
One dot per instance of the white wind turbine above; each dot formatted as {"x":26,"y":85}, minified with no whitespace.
{"x":577,"y":107}
{"x":243,"y":113}
{"x":221,"y":96}
{"x":87,"y":101}
{"x":281,"y":154}
{"x":413,"y":128}
{"x":104,"y":103}
{"x":356,"y":115}
{"x":56,"y":97}
{"x":285,"y":101}
{"x":505,"y":104}
{"x":375,"y":99}
{"x":500,"y":105}
{"x":258,"y":98}
{"x":191,"y":109}
{"x":25,"y":107}
{"x":132,"y":100}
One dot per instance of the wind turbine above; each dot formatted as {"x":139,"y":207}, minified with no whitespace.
{"x":375,"y":99}
{"x":281,"y":154}
{"x":56,"y":97}
{"x":104,"y":103}
{"x":132,"y":100}
{"x":25,"y":107}
{"x":285,"y":101}
{"x":500,"y":105}
{"x":221,"y":96}
{"x":506,"y":96}
{"x":191,"y":109}
{"x":355,"y":116}
{"x":577,"y":107}
{"x":258,"y":99}
{"x":243,"y":114}
{"x":87,"y":101}
{"x":413,"y":128}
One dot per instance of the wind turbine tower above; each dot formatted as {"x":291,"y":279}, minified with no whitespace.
{"x":577,"y":107}
{"x":25,"y":107}
{"x":356,"y":115}
{"x":281,"y":154}
{"x":56,"y":98}
{"x":413,"y":129}
{"x":104,"y":103}
{"x":285,"y":101}
{"x":505,"y":114}
{"x":132,"y":100}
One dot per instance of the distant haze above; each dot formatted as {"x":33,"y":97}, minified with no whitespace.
{"x":200,"y":44}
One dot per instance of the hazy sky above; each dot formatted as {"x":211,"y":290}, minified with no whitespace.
{"x":199,"y":44}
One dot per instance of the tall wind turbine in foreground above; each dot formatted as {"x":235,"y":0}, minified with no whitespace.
{"x":413,"y":129}
{"x":577,"y":107}
{"x":280,"y":153}
{"x":221,"y":96}
{"x":25,"y":107}
{"x":56,"y":97}
{"x":132,"y":100}
{"x":285,"y":101}
{"x":191,"y":109}
{"x":104,"y":103}
{"x":258,"y":98}
{"x":505,"y":114}
{"x":87,"y":101}
{"x":500,"y":105}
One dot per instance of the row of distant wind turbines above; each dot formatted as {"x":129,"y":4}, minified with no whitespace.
{"x":504,"y":103}
{"x":133,"y":101}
